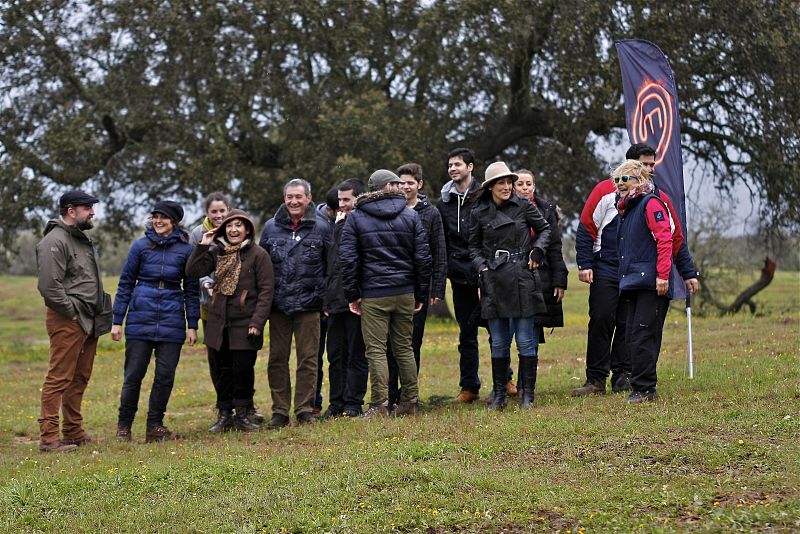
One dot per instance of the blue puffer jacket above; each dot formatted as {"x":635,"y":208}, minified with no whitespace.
{"x":384,"y":249}
{"x":298,"y":259}
{"x":150,"y":291}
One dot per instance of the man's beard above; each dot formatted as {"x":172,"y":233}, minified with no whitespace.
{"x":85,"y":224}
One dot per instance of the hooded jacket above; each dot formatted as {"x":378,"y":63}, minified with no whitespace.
{"x":249,"y":306}
{"x":154,"y":292}
{"x":298,"y":258}
{"x":384,"y":249}
{"x":69,"y":273}
{"x":455,"y":209}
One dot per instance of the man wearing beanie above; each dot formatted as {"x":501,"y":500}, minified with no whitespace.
{"x":386,"y":271}
{"x":78,"y":312}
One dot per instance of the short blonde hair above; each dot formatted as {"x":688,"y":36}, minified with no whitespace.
{"x":633,"y":167}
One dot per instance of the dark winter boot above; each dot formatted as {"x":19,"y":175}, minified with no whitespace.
{"x":527,"y":371}
{"x":499,"y":381}
{"x":242,"y":423}
{"x":224,"y":422}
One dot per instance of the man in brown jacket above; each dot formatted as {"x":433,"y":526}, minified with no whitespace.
{"x":77,"y":314}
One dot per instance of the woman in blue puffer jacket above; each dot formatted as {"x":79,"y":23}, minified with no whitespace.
{"x":158,"y":300}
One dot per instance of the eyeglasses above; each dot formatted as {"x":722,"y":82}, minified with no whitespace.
{"x":623,"y":179}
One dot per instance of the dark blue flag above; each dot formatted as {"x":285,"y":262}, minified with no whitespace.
{"x":651,"y":113}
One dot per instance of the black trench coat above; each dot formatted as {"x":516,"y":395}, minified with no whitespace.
{"x":499,"y":247}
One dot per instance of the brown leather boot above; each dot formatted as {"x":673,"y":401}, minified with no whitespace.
{"x":589,"y":388}
{"x":466,"y":397}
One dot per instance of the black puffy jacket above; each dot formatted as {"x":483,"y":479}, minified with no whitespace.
{"x":384,"y":249}
{"x":298,"y":259}
{"x":455,"y":209}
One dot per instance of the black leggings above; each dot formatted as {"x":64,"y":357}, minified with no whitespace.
{"x":235,"y":375}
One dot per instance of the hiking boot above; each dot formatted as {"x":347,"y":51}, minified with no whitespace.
{"x":255,"y":416}
{"x":621,"y":383}
{"x":158,"y":433}
{"x":123,"y":433}
{"x":589,"y":388}
{"x":56,"y":446}
{"x":224,"y":422}
{"x":406,"y":408}
{"x":316,"y":411}
{"x":467,"y":397}
{"x":511,"y":389}
{"x":642,"y":396}
{"x":85,"y":439}
{"x":377,"y":411}
{"x":278,"y":421}
{"x":307,"y":418}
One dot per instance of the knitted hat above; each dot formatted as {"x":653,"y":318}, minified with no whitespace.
{"x":169,"y":208}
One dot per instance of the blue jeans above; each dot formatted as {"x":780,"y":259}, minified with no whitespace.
{"x":521,"y":328}
{"x":137,"y":358}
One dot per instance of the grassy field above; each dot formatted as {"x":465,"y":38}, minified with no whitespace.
{"x":717,"y":453}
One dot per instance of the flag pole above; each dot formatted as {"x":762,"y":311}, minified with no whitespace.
{"x":689,"y":324}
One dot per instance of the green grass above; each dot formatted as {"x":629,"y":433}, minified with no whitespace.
{"x":717,"y":453}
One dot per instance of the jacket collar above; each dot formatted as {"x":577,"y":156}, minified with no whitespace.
{"x":309,"y":218}
{"x":450,"y":188}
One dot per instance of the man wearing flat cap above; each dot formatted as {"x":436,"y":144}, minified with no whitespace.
{"x":78,"y":312}
{"x":386,"y":272}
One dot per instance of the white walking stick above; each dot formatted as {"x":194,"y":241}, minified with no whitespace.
{"x":689,"y":323}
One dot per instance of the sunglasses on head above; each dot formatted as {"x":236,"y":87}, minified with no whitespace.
{"x":623,"y":179}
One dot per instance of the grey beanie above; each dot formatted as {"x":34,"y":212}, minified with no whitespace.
{"x":380,"y":178}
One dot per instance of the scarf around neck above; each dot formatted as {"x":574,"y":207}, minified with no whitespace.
{"x":229,"y":267}
{"x":640,"y":190}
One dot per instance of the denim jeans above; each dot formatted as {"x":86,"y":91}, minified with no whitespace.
{"x":521,"y":328}
{"x":137,"y":359}
{"x":465,"y":304}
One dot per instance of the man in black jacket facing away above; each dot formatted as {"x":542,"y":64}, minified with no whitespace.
{"x":386,"y":271}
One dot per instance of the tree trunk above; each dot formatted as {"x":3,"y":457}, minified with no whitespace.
{"x":767,"y":274}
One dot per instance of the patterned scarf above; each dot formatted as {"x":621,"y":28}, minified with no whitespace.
{"x":229,"y":267}
{"x":644,"y":188}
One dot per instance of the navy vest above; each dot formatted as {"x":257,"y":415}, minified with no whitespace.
{"x":636,"y":247}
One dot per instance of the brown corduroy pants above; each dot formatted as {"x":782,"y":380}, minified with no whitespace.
{"x":71,"y":359}
{"x":305,"y":328}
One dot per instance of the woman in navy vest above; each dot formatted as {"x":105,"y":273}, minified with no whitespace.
{"x":158,"y":301}
{"x":644,"y":244}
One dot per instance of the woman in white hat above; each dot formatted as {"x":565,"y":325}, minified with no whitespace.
{"x":501,"y":250}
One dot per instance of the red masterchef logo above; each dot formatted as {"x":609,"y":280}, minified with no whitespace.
{"x":653,"y":118}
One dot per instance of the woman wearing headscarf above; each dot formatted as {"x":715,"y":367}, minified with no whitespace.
{"x":501,"y":250}
{"x":646,"y":250}
{"x":156,"y":300}
{"x":241,"y":297}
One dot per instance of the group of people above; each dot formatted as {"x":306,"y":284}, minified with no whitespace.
{"x":354,"y":278}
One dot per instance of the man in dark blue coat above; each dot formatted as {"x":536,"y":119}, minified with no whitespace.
{"x":386,"y":272}
{"x":296,"y":240}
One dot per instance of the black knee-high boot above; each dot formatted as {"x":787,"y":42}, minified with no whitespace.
{"x":527,"y":366}
{"x":499,"y":379}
